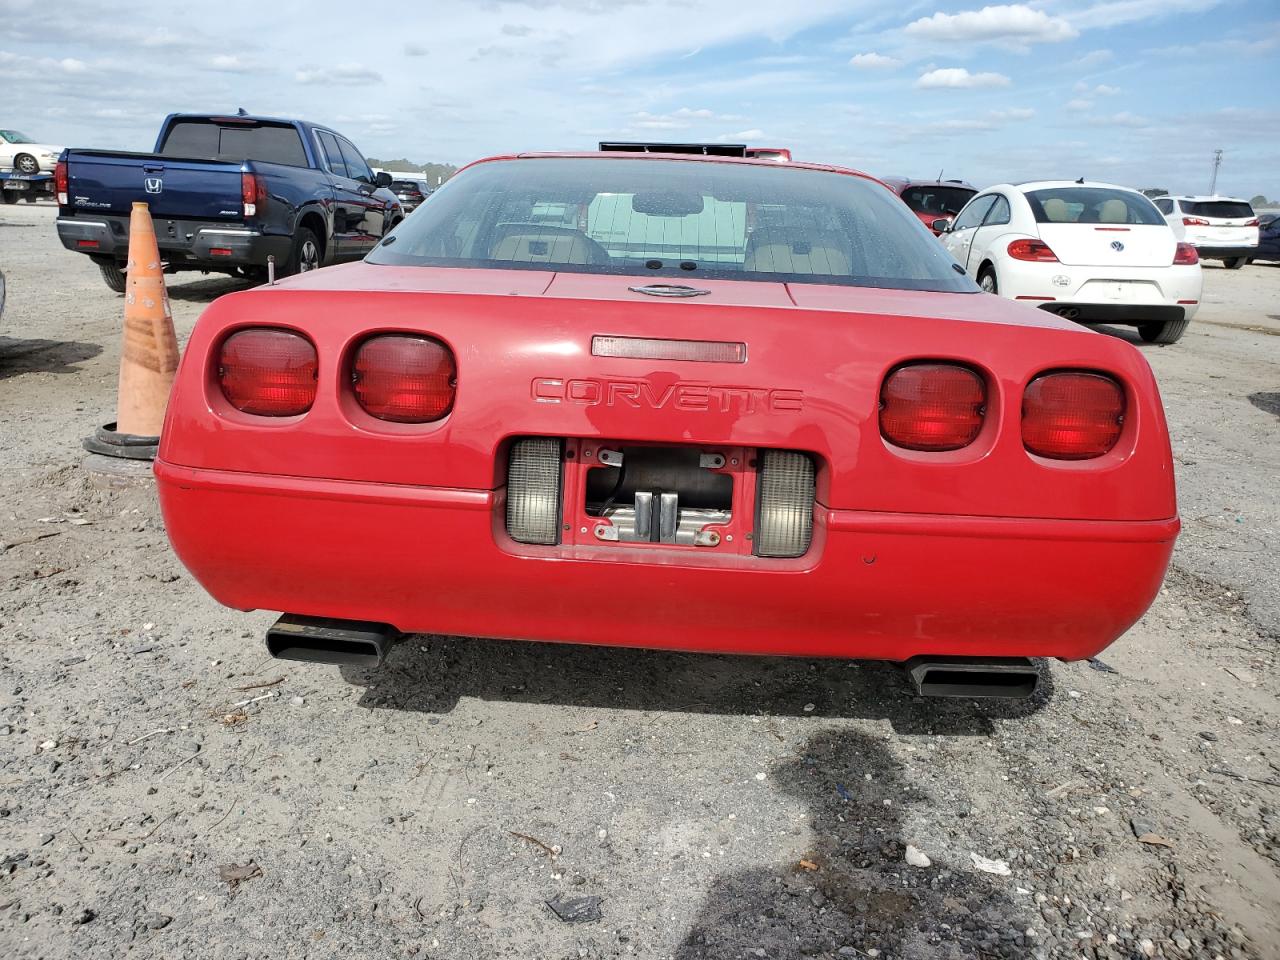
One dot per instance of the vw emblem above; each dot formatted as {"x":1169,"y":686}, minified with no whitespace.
{"x":155,"y":185}
{"x":1117,"y":246}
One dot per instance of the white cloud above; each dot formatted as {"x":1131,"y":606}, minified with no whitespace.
{"x":1094,"y":58}
{"x":415,"y":50}
{"x":1078,"y":105}
{"x":958,"y":78}
{"x":1014,"y":23}
{"x":873,"y":61}
{"x":747,"y":135}
{"x":228,"y":63}
{"x":1122,"y":119}
{"x":1013,"y":113}
{"x":1102,"y":90}
{"x":1113,"y":13}
{"x":681,"y":119}
{"x":344,"y":74}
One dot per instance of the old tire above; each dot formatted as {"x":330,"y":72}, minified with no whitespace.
{"x":10,"y":196}
{"x":1235,"y":263}
{"x":26,"y":163}
{"x":987,"y":280}
{"x":307,"y":253}
{"x":1170,"y":331}
{"x":113,"y":275}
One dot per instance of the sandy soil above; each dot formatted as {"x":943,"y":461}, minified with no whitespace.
{"x":719,"y":807}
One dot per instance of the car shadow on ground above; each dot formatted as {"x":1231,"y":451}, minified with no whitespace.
{"x":1266,"y":402}
{"x":206,"y":290}
{"x":429,"y":674}
{"x":43,"y":356}
{"x":852,"y":887}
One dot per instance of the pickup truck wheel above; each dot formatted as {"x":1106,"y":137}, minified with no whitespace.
{"x":306,"y":253}
{"x":1168,"y":332}
{"x":10,"y":196}
{"x":26,"y":163}
{"x":114,"y":276}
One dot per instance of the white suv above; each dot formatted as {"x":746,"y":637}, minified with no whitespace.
{"x":1220,"y":228}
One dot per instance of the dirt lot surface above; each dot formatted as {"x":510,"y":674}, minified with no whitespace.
{"x":167,"y":790}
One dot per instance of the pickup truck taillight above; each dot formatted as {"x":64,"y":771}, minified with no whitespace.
{"x":1072,"y":415}
{"x":268,"y":372}
{"x":253,"y":191}
{"x":404,"y":378}
{"x":60,"y":182}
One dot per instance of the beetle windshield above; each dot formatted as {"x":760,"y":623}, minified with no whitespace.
{"x":674,"y":218}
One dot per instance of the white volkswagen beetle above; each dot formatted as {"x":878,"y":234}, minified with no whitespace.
{"x":1091,"y":252}
{"x":21,"y":154}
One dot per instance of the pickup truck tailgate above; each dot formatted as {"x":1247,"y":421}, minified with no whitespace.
{"x":109,"y":182}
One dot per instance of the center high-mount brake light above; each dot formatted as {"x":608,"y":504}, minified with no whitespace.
{"x":1032,"y":250}
{"x":1185,"y":255}
{"x":60,"y":182}
{"x":268,"y":372}
{"x":932,"y":406}
{"x":1194,"y":222}
{"x":253,"y":190}
{"x":1072,"y":415}
{"x":404,"y":378}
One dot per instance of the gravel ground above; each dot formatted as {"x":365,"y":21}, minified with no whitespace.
{"x":168,"y":790}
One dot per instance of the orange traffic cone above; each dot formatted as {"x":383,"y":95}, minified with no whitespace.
{"x":148,"y":355}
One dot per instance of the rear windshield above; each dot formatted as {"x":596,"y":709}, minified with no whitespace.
{"x":206,"y":140}
{"x":944,"y":201}
{"x":1092,"y":205}
{"x":405,"y":185}
{"x":1232,"y":209}
{"x":673,"y":218}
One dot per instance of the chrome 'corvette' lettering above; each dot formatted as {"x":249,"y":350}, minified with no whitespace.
{"x":643,"y":395}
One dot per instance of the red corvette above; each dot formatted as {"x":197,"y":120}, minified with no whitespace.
{"x":687,"y":402}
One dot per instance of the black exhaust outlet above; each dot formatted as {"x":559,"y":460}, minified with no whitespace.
{"x":1007,"y":678}
{"x":323,"y":640}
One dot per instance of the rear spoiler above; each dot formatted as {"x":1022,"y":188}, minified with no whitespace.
{"x":704,"y":149}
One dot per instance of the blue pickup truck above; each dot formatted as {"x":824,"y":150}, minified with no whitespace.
{"x":226,"y":193}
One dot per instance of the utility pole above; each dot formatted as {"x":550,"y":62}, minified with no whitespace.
{"x":1213,"y":182}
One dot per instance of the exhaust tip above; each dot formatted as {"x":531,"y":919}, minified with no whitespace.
{"x":324,"y":640}
{"x":1004,"y":678}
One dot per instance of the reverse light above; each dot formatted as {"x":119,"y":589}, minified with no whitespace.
{"x":253,"y":191}
{"x":268,"y":372}
{"x":404,"y":378}
{"x":1032,"y":250}
{"x":784,"y":504}
{"x":1185,"y":255}
{"x":1072,"y":415}
{"x":60,"y":182}
{"x":1194,"y":222}
{"x":932,"y":406}
{"x":533,"y":490}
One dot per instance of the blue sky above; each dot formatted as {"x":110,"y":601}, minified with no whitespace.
{"x":1134,"y":91}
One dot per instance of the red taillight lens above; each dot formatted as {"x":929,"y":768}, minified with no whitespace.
{"x":1194,"y":222}
{"x":60,"y":180}
{"x":932,"y":406}
{"x":404,"y":378}
{"x":1252,"y":223}
{"x":1185,"y":255}
{"x":1035,"y":250}
{"x":252,"y":192}
{"x":1072,"y":416}
{"x":268,"y":372}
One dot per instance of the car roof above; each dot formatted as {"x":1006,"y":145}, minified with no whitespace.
{"x":901,"y":183}
{"x":682,"y":157}
{"x":1202,"y":199}
{"x":1027,"y":185}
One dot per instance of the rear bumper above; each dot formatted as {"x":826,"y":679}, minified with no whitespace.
{"x":180,"y":241}
{"x":873,"y":585}
{"x":1211,"y":252}
{"x":1124,"y":313}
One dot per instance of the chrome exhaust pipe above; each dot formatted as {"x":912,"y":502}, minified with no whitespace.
{"x":1069,"y":313}
{"x":323,"y":640}
{"x":1006,"y":678}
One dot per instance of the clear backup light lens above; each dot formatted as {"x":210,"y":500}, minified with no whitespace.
{"x":1072,"y":416}
{"x":785,"y":524}
{"x":533,"y":491}
{"x":268,"y":372}
{"x":404,"y":378}
{"x":932,"y":406}
{"x":1185,"y":255}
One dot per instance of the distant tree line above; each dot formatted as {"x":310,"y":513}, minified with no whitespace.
{"x":433,"y":173}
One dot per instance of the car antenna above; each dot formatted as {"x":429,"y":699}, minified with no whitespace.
{"x":940,"y":174}
{"x":1080,"y":180}
{"x":242,"y":112}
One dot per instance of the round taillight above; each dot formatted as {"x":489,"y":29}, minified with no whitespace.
{"x":268,"y":372}
{"x":404,"y":378}
{"x":932,"y":406}
{"x":1072,"y":416}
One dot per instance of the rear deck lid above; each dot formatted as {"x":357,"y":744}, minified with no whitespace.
{"x":1110,"y":245}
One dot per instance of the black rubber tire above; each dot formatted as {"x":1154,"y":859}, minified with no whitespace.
{"x":1235,"y":263}
{"x":10,"y":196}
{"x":303,"y":259}
{"x":1170,"y":331}
{"x":108,"y":442}
{"x":989,"y":273}
{"x":113,"y":275}
{"x":26,"y":163}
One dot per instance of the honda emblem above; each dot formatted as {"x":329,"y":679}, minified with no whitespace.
{"x":153,"y":184}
